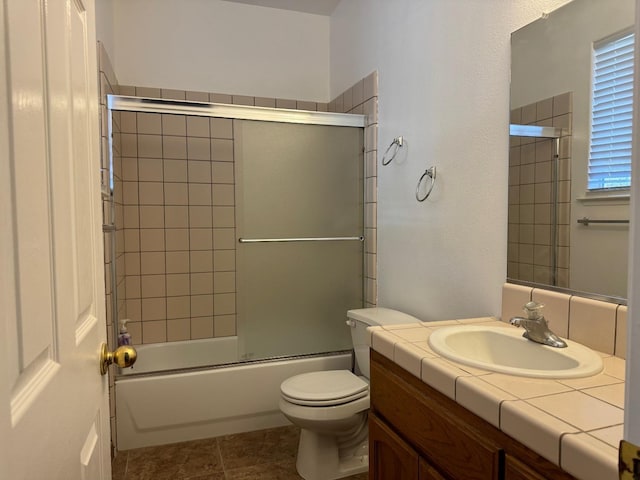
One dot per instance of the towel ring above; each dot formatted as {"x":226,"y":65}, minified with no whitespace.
{"x":397,"y":142}
{"x":431,"y":173}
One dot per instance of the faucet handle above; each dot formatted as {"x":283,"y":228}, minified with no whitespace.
{"x":533,"y":310}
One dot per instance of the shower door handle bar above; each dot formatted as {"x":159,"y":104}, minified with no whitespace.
{"x":302,"y":239}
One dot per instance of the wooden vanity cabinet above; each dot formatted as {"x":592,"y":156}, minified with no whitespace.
{"x":417,"y":433}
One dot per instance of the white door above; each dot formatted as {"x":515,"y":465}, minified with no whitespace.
{"x":54,"y":415}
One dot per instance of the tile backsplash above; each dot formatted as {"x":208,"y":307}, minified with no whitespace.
{"x":597,"y":324}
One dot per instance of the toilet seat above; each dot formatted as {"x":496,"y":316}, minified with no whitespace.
{"x":325,"y":388}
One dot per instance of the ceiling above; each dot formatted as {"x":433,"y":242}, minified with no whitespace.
{"x":316,"y":7}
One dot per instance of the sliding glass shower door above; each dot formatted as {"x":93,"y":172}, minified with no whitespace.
{"x":299,"y":208}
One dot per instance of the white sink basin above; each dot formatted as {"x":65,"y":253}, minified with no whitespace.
{"x":504,"y":350}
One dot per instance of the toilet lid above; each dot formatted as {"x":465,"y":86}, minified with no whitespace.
{"x":324,"y":388}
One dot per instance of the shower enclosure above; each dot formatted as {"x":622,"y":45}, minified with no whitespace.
{"x":238,"y":230}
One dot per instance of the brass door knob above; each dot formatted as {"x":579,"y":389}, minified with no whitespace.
{"x":123,"y":356}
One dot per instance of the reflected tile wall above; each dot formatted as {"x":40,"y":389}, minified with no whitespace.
{"x":531,"y":194}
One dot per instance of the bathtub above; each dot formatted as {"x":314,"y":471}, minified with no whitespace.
{"x":177,"y":406}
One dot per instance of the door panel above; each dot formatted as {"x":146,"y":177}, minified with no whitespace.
{"x":54,"y":401}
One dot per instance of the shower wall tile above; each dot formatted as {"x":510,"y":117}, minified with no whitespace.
{"x":530,"y":208}
{"x":180,"y":212}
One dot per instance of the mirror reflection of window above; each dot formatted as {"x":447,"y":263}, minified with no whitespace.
{"x":611,"y":113}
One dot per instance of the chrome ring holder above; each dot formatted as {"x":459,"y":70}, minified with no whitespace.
{"x":431,"y":173}
{"x":397,"y":142}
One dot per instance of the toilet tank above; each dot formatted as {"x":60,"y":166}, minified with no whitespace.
{"x":362,"y":318}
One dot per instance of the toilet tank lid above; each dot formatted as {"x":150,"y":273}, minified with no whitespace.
{"x":381,"y":316}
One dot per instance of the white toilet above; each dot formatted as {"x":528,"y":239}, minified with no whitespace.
{"x":331,"y":407}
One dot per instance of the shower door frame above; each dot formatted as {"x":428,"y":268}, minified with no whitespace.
{"x":138,"y":104}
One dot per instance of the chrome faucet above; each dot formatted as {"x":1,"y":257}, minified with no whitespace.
{"x":537,"y":327}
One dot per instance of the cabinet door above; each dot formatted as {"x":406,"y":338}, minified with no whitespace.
{"x":427,"y":472}
{"x":389,"y":457}
{"x":516,"y":470}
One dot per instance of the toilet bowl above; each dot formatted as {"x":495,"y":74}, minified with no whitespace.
{"x":331,"y":407}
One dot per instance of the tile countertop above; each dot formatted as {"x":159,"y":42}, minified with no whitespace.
{"x":575,"y":423}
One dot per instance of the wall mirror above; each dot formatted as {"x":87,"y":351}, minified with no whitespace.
{"x":561,"y":232}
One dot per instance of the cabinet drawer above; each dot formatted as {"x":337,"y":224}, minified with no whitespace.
{"x":437,"y":433}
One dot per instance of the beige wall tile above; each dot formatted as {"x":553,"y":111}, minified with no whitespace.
{"x":174,"y":125}
{"x":135,"y":330}
{"x":154,"y":332}
{"x":224,"y":325}
{"x":556,"y":309}
{"x":178,"y":284}
{"x":223,"y":217}
{"x":175,"y":170}
{"x":224,"y":260}
{"x":198,"y":148}
{"x":202,"y":283}
{"x":149,"y":123}
{"x":514,"y":298}
{"x":220,"y":98}
{"x":200,"y":216}
{"x":285,"y":103}
{"x":197,"y":126}
{"x":197,"y":96}
{"x":152,"y":240}
{"x":132,"y":286}
{"x":134,"y":309}
{"x":132,"y":263}
{"x":201,"y":305}
{"x":174,"y":147}
{"x":128,"y":122}
{"x":593,"y":323}
{"x":153,"y":286}
{"x":173,"y":94}
{"x":200,"y":194}
{"x":151,"y":193}
{"x":222,"y":172}
{"x":151,"y":216}
{"x":150,"y":146}
{"x":221,"y":128}
{"x":128,"y":145}
{"x":223,"y":195}
{"x":201,"y":260}
{"x":242,"y":100}
{"x":177,"y":262}
{"x":176,"y":239}
{"x":176,"y":193}
{"x":224,"y":303}
{"x":131,"y":240}
{"x":130,"y":168}
{"x":176,"y":216}
{"x":154,"y":309}
{"x":199,"y":171}
{"x":621,"y":332}
{"x":224,"y":238}
{"x":222,"y":150}
{"x":200,"y":239}
{"x":179,"y":307}
{"x":152,"y":263}
{"x":178,"y":329}
{"x":265,"y":102}
{"x":130,"y":193}
{"x":224,"y":282}
{"x":311,"y":106}
{"x":150,"y":169}
{"x":202,"y":327}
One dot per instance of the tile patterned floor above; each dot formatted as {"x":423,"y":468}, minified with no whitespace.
{"x":261,"y":455}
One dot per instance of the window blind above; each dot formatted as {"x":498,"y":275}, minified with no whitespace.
{"x":612,"y":113}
